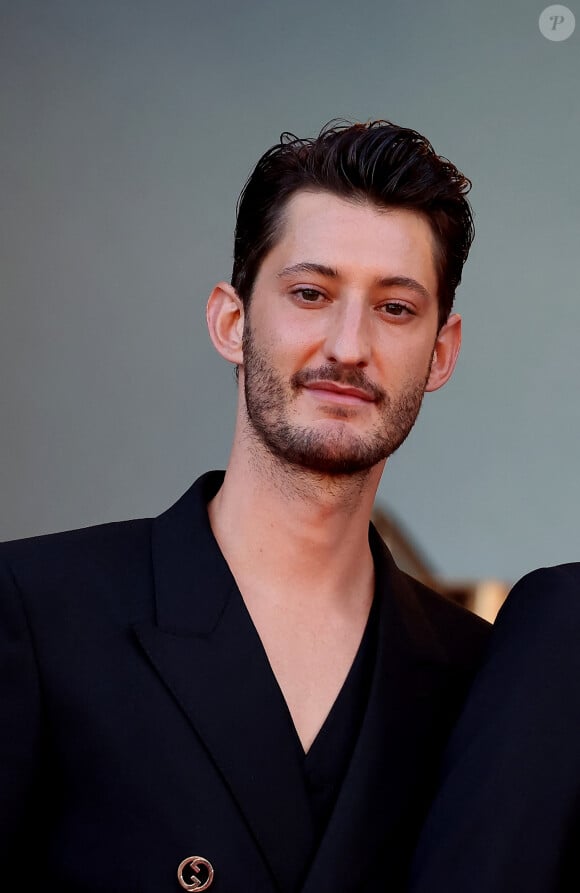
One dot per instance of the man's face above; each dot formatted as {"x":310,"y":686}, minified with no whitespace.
{"x":340,"y":333}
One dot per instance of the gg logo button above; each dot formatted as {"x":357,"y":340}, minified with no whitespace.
{"x":198,"y":870}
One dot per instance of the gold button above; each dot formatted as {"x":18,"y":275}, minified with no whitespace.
{"x":198,"y":870}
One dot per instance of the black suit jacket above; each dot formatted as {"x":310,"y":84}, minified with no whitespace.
{"x":507,"y":816}
{"x":142,"y":722}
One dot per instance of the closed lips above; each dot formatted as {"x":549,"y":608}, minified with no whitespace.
{"x":329,"y":388}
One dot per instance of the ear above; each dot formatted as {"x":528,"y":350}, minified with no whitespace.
{"x":445,"y":353}
{"x":225,"y":322}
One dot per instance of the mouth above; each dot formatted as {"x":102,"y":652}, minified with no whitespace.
{"x":331,"y":392}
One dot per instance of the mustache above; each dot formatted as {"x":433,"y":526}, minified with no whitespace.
{"x":345,"y":375}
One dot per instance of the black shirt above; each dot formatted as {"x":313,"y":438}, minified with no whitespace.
{"x":326,"y":762}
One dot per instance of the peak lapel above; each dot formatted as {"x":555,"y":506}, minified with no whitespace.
{"x":209,"y":655}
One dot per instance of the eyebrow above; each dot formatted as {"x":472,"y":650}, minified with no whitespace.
{"x":306,"y":267}
{"x":332,"y":273}
{"x":406,"y":282}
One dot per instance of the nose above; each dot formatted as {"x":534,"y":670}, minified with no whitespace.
{"x":348,"y":339}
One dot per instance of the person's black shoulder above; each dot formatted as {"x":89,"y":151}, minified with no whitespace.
{"x":541,"y":613}
{"x":63,"y":570}
{"x":463,"y":634}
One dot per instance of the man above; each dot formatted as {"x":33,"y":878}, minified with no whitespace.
{"x":245,"y":693}
{"x":507,"y":816}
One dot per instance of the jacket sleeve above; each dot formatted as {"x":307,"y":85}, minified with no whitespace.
{"x":19,"y":714}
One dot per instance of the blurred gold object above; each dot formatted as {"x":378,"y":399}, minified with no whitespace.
{"x":483,"y":597}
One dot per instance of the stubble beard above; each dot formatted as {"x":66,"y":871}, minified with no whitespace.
{"x":340,"y":451}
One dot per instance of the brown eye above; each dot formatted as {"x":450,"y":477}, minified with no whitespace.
{"x":395,"y":309}
{"x":310,"y":295}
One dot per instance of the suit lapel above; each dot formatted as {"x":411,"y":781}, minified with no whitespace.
{"x":377,"y":805}
{"x":207,"y":651}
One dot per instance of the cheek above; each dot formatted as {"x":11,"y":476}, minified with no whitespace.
{"x":405,"y":364}
{"x":290,"y":342}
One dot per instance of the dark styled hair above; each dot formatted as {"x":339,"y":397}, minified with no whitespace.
{"x":378,"y":162}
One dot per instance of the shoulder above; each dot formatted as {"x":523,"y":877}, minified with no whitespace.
{"x":561,"y":582}
{"x":440,"y":609}
{"x":74,"y":547}
{"x":103,"y":548}
{"x":70,"y":568}
{"x":439,"y":627}
{"x":542,"y":610}
{"x":462,"y":633}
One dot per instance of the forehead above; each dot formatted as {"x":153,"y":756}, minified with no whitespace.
{"x":354,"y":238}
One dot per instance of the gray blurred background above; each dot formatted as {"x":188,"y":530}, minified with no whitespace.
{"x":127,"y":130}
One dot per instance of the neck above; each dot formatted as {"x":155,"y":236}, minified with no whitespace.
{"x":298,"y":531}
